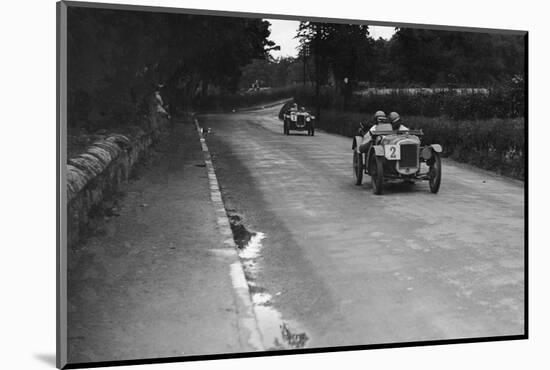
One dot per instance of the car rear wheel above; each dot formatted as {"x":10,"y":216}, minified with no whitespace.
{"x":358,"y":167}
{"x":376,"y":174}
{"x":435,"y":172}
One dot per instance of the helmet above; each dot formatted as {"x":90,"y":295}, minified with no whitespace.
{"x":379,"y":116}
{"x":394,"y":117}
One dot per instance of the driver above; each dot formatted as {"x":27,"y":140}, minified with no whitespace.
{"x":379,"y":117}
{"x":396,"y":122}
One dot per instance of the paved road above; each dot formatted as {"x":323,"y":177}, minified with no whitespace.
{"x":347,"y":267}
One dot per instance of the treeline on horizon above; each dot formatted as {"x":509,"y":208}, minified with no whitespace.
{"x":334,"y":60}
{"x":411,"y":58}
{"x":116,"y":59}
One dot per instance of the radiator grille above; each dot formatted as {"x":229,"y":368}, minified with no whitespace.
{"x":301,"y":120}
{"x":409,"y":155}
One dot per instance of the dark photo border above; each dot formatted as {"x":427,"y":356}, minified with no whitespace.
{"x":61,"y":214}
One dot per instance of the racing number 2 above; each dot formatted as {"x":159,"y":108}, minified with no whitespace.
{"x":392,"y":152}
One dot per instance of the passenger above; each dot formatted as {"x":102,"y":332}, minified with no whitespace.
{"x":396,"y":122}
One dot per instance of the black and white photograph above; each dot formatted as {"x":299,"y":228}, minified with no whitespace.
{"x":244,"y":185}
{"x":235,"y":184}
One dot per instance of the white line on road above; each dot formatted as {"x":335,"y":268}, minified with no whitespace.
{"x":247,"y":317}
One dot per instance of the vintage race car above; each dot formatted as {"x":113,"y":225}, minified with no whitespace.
{"x":299,"y":121}
{"x":396,"y":155}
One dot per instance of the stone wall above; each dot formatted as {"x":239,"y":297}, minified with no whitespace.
{"x":100,"y":171}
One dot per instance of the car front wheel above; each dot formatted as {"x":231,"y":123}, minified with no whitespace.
{"x":435,"y":172}
{"x":358,"y":167}
{"x":376,"y":174}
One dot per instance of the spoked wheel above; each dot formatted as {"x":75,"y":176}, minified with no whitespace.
{"x":435,"y":172}
{"x":376,"y":171}
{"x":358,"y":167}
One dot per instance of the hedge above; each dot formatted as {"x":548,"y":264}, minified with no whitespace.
{"x":502,"y":102}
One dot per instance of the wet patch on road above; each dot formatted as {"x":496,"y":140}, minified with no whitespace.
{"x":277,"y":333}
{"x":240,"y":234}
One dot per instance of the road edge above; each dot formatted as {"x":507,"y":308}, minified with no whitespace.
{"x":264,"y":106}
{"x":246,"y":314}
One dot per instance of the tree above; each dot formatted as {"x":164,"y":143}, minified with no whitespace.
{"x":117,"y":58}
{"x":449,"y":57}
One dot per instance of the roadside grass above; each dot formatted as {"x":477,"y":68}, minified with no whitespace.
{"x":496,"y":144}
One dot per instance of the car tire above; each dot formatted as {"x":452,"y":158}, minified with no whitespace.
{"x":435,"y":172}
{"x":358,"y":167}
{"x":285,"y":128}
{"x":312,"y":131}
{"x":376,"y":174}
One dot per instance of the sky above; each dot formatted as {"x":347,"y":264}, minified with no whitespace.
{"x":283,"y":32}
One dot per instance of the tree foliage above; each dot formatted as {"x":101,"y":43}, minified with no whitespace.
{"x":432,"y":57}
{"x":116,"y":59}
{"x":413,"y":56}
{"x":283,"y":71}
{"x":340,"y":49}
